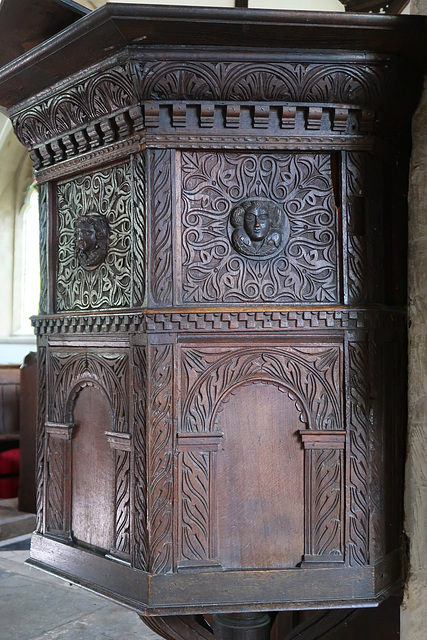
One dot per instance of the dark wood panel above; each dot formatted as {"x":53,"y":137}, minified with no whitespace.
{"x":93,"y":472}
{"x":260,"y":492}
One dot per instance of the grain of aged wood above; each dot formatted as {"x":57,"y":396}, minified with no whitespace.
{"x":221,"y":413}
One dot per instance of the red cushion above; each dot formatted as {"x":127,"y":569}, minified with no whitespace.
{"x":9,"y":487}
{"x":9,"y":462}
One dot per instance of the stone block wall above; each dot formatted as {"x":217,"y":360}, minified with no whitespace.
{"x":414,"y":609}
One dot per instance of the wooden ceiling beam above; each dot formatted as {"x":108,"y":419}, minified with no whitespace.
{"x":393,"y":7}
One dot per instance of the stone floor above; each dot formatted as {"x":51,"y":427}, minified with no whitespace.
{"x":36,"y":606}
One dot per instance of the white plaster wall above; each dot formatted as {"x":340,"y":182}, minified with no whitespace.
{"x":15,"y":175}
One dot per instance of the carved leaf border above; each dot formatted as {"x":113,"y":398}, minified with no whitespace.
{"x":117,"y":88}
{"x":68,"y":373}
{"x":160,"y":458}
{"x":311,"y":377}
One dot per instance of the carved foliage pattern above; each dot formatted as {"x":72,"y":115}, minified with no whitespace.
{"x":359,"y":472}
{"x":139,"y":251}
{"x":290,"y":82}
{"x":107,"y":193}
{"x":140,"y":456}
{"x":122,"y":501}
{"x":311,"y":375}
{"x":161,"y":234}
{"x":195,"y":505}
{"x":213,"y":183}
{"x":98,"y":95}
{"x":41,"y":419}
{"x":160,"y":460}
{"x":112,"y":91}
{"x":356,"y":247}
{"x":376,"y":453}
{"x":44,"y":244}
{"x":71,"y":371}
{"x":326,"y":505}
{"x":55,"y":470}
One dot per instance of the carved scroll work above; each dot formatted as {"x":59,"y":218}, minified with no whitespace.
{"x":296,"y":262}
{"x":69,"y":373}
{"x":101,"y":244}
{"x":310,"y":376}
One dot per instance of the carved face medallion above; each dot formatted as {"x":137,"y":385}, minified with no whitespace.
{"x":91,"y":235}
{"x":259,"y":228}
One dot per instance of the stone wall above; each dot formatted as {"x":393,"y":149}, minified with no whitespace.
{"x":414,"y":609}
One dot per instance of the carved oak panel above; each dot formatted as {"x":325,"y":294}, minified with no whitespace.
{"x":101,"y":239}
{"x":359,"y":427}
{"x":140,"y":391}
{"x":161,"y":458}
{"x":311,"y":374}
{"x":80,"y":383}
{"x":215,"y":413}
{"x":40,"y":432}
{"x":301,"y":265}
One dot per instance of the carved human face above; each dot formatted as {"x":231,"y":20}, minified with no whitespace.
{"x":85,"y":236}
{"x":257,"y":222}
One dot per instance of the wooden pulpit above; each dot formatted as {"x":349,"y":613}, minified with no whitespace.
{"x":221,"y":335}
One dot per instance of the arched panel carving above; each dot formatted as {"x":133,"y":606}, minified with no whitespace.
{"x":68,"y":371}
{"x":304,"y":378}
{"x":105,"y":376}
{"x":312,"y":375}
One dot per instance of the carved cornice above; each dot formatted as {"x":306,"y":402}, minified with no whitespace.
{"x":111,"y":138}
{"x":208,"y":321}
{"x":288,"y":141}
{"x":87,"y":161}
{"x":105,"y":107}
{"x":355,"y":84}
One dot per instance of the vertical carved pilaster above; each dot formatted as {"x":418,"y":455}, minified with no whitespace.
{"x":40,"y":436}
{"x":358,"y":543}
{"x":140,"y":549}
{"x":376,"y":451}
{"x":160,"y":482}
{"x":58,"y":479}
{"x":356,"y":236}
{"x":139,"y":185}
{"x":44,"y":248}
{"x":324,"y":490}
{"x":161,"y":227}
{"x":196,"y":479}
{"x":121,"y":444}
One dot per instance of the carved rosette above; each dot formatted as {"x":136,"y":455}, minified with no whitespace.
{"x":303,"y":268}
{"x":101,"y":244}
